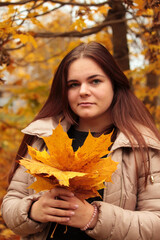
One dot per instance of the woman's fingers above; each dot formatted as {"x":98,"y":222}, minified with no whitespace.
{"x":60,"y":204}
{"x":49,"y":201}
{"x":61,"y":212}
{"x":57,"y":215}
{"x":49,"y":207}
{"x":58,"y":198}
{"x":56,"y":192}
{"x":51,"y":218}
{"x":43,"y":213}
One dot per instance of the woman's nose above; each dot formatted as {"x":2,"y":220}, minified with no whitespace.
{"x":84,"y":89}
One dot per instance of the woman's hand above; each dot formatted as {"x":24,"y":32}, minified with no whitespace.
{"x":82,"y":215}
{"x":61,"y":206}
{"x":49,"y":208}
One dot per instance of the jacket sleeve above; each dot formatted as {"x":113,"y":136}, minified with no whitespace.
{"x":143,"y":223}
{"x":17,"y":203}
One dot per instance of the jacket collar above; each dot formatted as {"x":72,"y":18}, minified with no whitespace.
{"x":150,"y":139}
{"x":43,"y":127}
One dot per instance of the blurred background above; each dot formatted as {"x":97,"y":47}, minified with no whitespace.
{"x":35,"y":35}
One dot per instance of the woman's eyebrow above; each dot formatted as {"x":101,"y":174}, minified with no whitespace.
{"x":71,"y":80}
{"x":90,"y":77}
{"x":95,"y":75}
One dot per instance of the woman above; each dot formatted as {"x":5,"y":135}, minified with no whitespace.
{"x":90,"y":92}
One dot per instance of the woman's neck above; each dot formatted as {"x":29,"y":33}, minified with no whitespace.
{"x":93,"y":125}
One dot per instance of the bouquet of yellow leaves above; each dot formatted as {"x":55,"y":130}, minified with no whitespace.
{"x":82,"y":172}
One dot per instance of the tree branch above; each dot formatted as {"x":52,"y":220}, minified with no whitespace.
{"x":19,"y":61}
{"x":47,"y":12}
{"x":16,"y":48}
{"x":83,"y":33}
{"x":29,"y":10}
{"x":2,"y":4}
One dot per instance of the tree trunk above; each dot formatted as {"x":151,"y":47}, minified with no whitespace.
{"x":119,"y":33}
{"x":152,"y":79}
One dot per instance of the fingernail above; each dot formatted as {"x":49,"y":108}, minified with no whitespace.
{"x":76,"y":206}
{"x":72,"y":213}
{"x":72,"y":194}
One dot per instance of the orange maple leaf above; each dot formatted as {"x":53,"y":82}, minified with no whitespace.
{"x":83,"y":172}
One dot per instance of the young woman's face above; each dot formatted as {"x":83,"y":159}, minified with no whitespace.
{"x":90,"y":91}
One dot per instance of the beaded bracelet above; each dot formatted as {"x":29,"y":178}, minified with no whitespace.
{"x":91,"y":220}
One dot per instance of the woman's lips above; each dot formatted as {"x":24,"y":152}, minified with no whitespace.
{"x":85,"y":104}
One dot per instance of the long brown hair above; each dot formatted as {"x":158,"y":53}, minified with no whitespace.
{"x":126,"y":108}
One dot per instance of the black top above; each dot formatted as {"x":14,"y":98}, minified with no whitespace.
{"x":74,"y":233}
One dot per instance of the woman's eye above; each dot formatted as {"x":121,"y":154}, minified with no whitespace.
{"x":96,"y":81}
{"x":72,"y":85}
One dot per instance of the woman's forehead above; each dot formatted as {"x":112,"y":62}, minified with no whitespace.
{"x":84,"y":66}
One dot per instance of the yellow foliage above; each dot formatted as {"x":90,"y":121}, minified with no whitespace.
{"x":78,"y":25}
{"x":83,"y":172}
{"x":90,"y":17}
{"x":11,"y":9}
{"x":104,"y":9}
{"x":37,"y":23}
{"x":6,"y":28}
{"x":25,"y":38}
{"x":139,"y":4}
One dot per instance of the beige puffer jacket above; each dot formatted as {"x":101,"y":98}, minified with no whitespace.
{"x":128,"y":211}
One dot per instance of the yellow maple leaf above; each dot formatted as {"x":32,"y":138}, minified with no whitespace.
{"x":83,"y":172}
